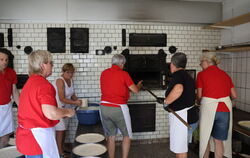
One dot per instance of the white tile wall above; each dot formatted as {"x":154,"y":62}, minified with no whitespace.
{"x":237,"y":64}
{"x":190,"y":39}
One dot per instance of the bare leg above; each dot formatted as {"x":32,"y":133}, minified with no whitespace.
{"x":111,"y":146}
{"x":4,"y":140}
{"x":125,"y":146}
{"x":181,"y":155}
{"x":60,"y":136}
{"x":219,"y":148}
{"x":206,"y":154}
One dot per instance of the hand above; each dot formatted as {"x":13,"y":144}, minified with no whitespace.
{"x":78,"y":102}
{"x":160,"y":100}
{"x":139,"y":84}
{"x":70,"y":112}
{"x":165,"y":106}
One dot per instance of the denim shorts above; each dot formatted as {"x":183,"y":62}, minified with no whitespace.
{"x":34,"y":156}
{"x":221,"y":125}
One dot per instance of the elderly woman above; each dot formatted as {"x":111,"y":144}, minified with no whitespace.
{"x":38,"y":112}
{"x":214,"y":88}
{"x":180,"y":97}
{"x":66,"y":98}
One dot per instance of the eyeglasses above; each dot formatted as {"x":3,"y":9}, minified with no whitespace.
{"x":51,"y":63}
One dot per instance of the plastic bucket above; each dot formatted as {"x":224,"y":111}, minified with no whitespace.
{"x":88,"y":115}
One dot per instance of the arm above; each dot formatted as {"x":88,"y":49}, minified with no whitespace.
{"x":136,"y":88}
{"x":61,"y":88}
{"x":74,"y":97}
{"x":233,"y":93}
{"x":174,"y":94}
{"x":15,"y":94}
{"x":54,"y":113}
{"x":199,"y":95}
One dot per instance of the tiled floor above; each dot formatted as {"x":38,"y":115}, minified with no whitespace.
{"x":159,"y":150}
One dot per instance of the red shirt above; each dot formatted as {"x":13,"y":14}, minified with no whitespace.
{"x":36,"y":91}
{"x":215,"y":83}
{"x":7,"y":79}
{"x":115,"y":85}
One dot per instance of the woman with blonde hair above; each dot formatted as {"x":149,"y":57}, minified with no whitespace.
{"x":214,"y":89}
{"x":66,"y":98}
{"x":38,"y":112}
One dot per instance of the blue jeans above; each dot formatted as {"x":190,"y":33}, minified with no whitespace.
{"x":221,"y":125}
{"x":190,"y":131}
{"x":33,"y":156}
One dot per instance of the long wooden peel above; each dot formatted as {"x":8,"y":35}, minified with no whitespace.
{"x":172,"y":111}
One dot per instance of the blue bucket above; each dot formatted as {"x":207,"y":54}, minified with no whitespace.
{"x":88,"y":117}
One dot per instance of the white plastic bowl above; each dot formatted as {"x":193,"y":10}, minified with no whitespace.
{"x":90,"y":138}
{"x":89,"y":150}
{"x":9,"y":152}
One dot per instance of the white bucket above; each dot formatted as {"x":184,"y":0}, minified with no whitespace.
{"x":84,"y":102}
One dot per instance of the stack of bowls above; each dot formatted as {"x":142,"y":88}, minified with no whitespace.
{"x":91,"y":146}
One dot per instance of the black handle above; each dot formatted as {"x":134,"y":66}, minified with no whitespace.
{"x":149,"y":92}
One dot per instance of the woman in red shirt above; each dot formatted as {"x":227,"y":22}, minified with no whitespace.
{"x":38,"y":112}
{"x":214,"y":88}
{"x":8,"y":80}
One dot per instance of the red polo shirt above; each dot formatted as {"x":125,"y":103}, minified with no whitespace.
{"x":215,"y":83}
{"x":114,"y":86}
{"x":36,"y":91}
{"x":7,"y":79}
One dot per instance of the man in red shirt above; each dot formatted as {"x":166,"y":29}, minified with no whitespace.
{"x":115,"y":87}
{"x":8,"y":80}
{"x":214,"y":88}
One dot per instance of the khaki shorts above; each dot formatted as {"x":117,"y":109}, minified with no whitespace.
{"x":113,"y":119}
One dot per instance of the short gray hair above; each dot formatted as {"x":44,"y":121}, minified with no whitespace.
{"x":179,"y":60}
{"x":118,"y":59}
{"x":36,"y":59}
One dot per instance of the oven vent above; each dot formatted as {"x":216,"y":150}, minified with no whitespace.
{"x":148,"y":39}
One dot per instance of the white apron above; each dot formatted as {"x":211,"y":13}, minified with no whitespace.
{"x":127,"y":118}
{"x":208,"y":110}
{"x":45,"y":137}
{"x":6,"y":119}
{"x":178,"y":132}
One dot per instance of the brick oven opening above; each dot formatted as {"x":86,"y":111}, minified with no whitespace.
{"x":151,"y":68}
